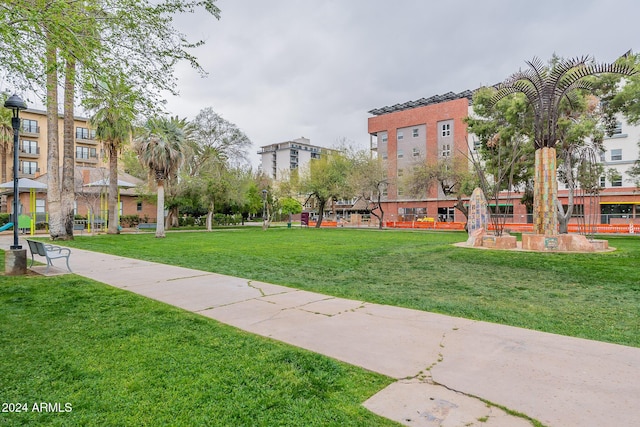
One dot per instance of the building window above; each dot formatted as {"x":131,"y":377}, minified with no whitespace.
{"x":40,"y":206}
{"x":400,"y":191}
{"x":446,"y":129}
{"x":139,"y":206}
{"x":30,"y":147}
{"x":446,"y":150}
{"x":400,"y":172}
{"x":603,"y":182}
{"x":86,"y":153}
{"x":618,"y":129}
{"x":400,"y":135}
{"x":400,"y":154}
{"x":385,"y":192}
{"x":616,"y":181}
{"x":85,"y":133}
{"x":416,"y":132}
{"x":416,"y":152}
{"x":616,"y":154}
{"x":29,"y":168}
{"x":384,"y":155}
{"x":30,"y":126}
{"x":384,"y":137}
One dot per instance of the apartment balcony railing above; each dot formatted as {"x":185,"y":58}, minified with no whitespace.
{"x":30,"y":153}
{"x":30,"y":130}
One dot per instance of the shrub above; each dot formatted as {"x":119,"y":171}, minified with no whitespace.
{"x":129,"y":221}
{"x":4,"y":218}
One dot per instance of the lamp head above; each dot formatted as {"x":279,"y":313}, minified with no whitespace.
{"x":15,"y":103}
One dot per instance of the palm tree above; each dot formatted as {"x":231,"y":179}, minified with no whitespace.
{"x":160,"y":147}
{"x":6,"y":137}
{"x":545,"y":87}
{"x":113,"y":103}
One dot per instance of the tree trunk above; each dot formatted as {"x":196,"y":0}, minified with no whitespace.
{"x":210,"y":216}
{"x":321,"y":205}
{"x":545,"y":218}
{"x":3,"y":157}
{"x":54,"y":207}
{"x":68,"y":193}
{"x":112,"y":199}
{"x":160,"y":210}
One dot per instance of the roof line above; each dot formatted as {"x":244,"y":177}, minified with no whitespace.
{"x":435,"y":99}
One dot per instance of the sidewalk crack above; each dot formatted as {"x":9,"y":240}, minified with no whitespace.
{"x":425,"y":376}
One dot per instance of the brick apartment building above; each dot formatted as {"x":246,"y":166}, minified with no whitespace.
{"x":434,"y":127}
{"x":405,"y":134}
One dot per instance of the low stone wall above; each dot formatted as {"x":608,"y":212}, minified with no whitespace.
{"x":559,"y":243}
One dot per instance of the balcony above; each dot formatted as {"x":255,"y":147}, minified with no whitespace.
{"x":90,"y":159}
{"x":30,"y":153}
{"x":30,"y":130}
{"x":86,"y":136}
{"x":28,"y":172}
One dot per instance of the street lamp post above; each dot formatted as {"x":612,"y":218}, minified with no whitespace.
{"x":15,"y":104}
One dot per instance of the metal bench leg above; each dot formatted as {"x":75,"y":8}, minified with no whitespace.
{"x":68,"y":268}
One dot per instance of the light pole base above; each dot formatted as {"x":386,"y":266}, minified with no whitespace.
{"x":15,"y":262}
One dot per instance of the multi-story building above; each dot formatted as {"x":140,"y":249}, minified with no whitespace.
{"x":278,"y":160}
{"x":434,"y":128}
{"x":414,"y":132}
{"x":33,"y":149}
{"x":620,"y":197}
{"x":90,"y":162}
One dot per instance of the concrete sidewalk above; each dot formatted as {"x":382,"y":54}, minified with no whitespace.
{"x":446,"y":367}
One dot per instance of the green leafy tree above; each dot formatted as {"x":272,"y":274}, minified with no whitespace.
{"x":368,"y":180}
{"x":114,"y":110}
{"x":129,"y":38}
{"x":217,"y":148}
{"x":326,"y":179}
{"x":290,"y":206}
{"x":551,"y":91}
{"x":160,"y":147}
{"x":451,"y":176}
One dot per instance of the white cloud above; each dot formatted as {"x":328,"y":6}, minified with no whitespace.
{"x":290,"y":68}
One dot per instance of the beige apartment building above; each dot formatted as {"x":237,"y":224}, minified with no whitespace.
{"x":90,"y":165}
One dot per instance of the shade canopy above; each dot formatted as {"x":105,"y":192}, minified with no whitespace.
{"x":105,"y":183}
{"x":25,"y":184}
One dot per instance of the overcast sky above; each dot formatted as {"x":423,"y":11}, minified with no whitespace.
{"x":282,"y":69}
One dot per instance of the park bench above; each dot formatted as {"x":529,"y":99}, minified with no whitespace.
{"x":50,"y":252}
{"x":146,"y":225}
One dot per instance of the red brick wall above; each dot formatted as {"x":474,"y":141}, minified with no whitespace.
{"x":429,"y":115}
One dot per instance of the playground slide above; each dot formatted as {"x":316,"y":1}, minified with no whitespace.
{"x":6,"y":226}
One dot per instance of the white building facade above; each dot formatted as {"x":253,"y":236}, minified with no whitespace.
{"x":278,"y":160}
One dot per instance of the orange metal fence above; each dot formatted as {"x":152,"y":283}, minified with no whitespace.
{"x":508,"y":227}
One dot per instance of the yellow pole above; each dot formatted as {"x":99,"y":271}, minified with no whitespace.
{"x":118,"y":210}
{"x":89,"y":220}
{"x":32,"y":208}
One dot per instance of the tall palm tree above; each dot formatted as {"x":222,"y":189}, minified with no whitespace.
{"x":545,"y":87}
{"x":160,"y":147}
{"x":114,"y":106}
{"x":6,"y":137}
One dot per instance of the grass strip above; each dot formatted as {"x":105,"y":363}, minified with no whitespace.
{"x":98,"y":356}
{"x":593,"y":296}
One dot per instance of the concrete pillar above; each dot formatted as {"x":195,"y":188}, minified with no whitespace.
{"x":545,"y":217}
{"x":15,"y":262}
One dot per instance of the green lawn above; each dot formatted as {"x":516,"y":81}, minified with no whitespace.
{"x":118,"y":359}
{"x":595,"y":296}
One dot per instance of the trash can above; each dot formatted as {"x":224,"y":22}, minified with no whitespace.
{"x":288,"y":225}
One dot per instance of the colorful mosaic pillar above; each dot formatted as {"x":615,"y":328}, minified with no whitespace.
{"x":545,"y":218}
